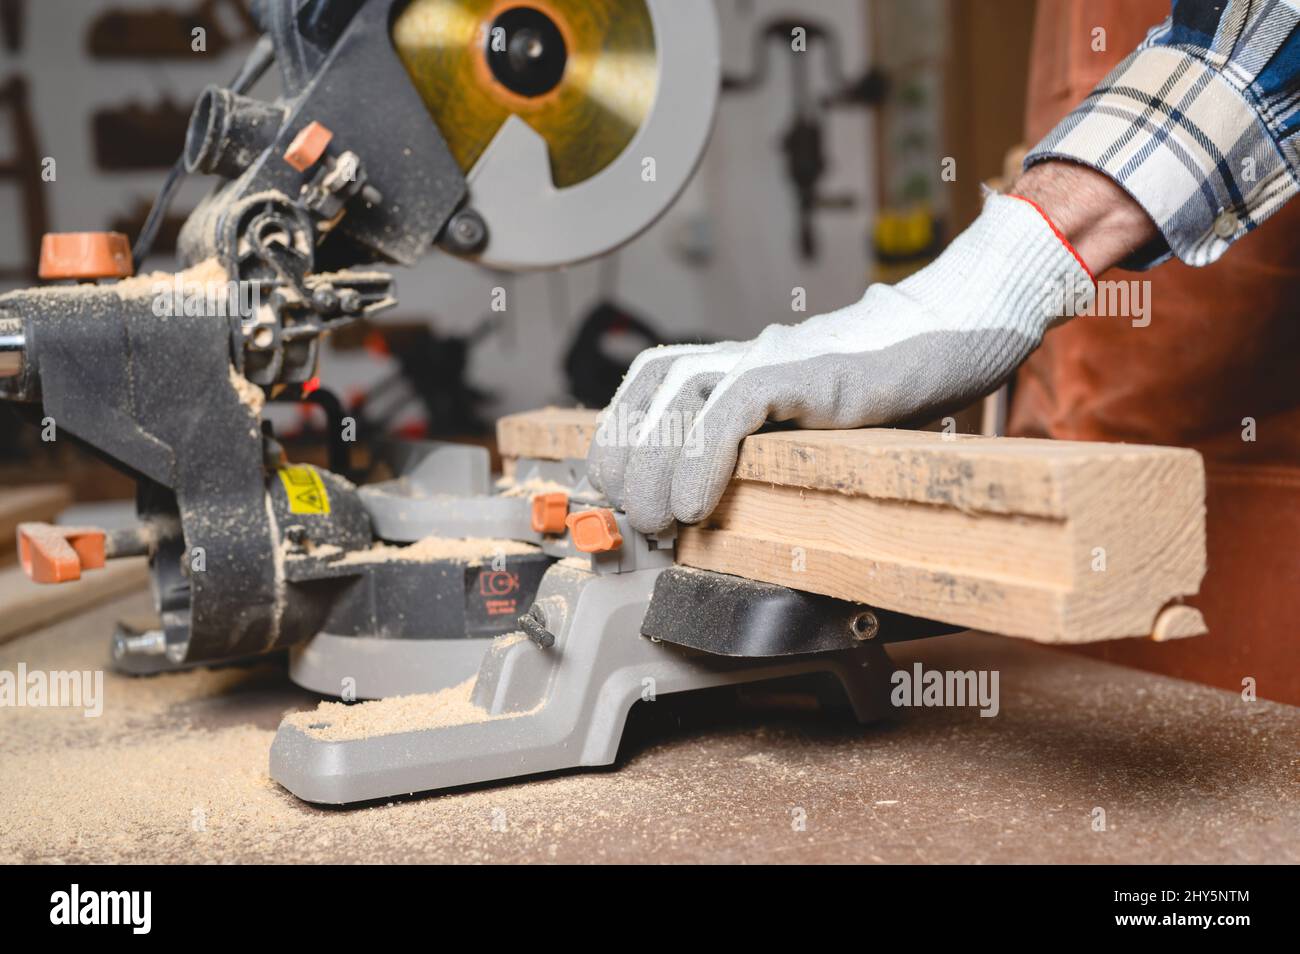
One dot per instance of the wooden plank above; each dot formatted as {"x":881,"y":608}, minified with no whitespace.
{"x":552,"y":433}
{"x":25,"y":606}
{"x":1056,"y":541}
{"x":38,"y":502}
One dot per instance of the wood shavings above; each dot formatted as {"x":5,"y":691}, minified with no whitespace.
{"x":176,"y":771}
{"x":250,"y":395}
{"x":529,"y":487}
{"x":138,"y":286}
{"x":341,"y":722}
{"x":472,"y":551}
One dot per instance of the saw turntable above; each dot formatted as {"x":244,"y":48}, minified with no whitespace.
{"x":520,"y":135}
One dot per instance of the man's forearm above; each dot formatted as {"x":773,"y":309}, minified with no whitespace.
{"x":1100,"y":219}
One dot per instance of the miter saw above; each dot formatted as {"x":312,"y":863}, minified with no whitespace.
{"x":517,"y":133}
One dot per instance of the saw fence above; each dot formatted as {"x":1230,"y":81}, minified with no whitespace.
{"x":1055,"y":541}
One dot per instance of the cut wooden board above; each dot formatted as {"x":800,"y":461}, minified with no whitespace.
{"x":35,"y":502}
{"x":553,"y":433}
{"x":25,"y":606}
{"x":1056,"y":541}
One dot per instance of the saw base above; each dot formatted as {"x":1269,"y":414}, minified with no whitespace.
{"x":558,"y":707}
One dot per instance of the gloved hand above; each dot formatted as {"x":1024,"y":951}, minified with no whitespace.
{"x":666,"y":445}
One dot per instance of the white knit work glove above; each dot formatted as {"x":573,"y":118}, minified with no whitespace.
{"x":666,"y":445}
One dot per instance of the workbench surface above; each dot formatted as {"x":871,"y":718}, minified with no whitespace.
{"x":175,"y":771}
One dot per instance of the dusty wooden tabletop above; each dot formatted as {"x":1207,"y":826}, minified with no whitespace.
{"x":175,"y":770}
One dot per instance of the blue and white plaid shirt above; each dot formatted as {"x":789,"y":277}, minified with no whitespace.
{"x":1200,"y":124}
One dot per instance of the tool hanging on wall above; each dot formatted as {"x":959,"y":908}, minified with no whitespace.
{"x":23,"y":169}
{"x":606,"y":340}
{"x":12,"y":20}
{"x":140,"y":136}
{"x":911,"y":159}
{"x":803,"y":141}
{"x":433,"y":367}
{"x":431,"y":373}
{"x":163,"y":33}
{"x":602,"y":348}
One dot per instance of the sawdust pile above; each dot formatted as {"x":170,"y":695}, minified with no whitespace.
{"x":341,"y":722}
{"x":206,"y":271}
{"x":176,"y":770}
{"x":472,"y":551}
{"x":527,"y":488}
{"x":192,"y":795}
{"x":137,"y":286}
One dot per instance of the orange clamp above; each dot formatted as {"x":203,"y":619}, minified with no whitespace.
{"x":595,"y":531}
{"x":53,"y":554}
{"x":308,"y":146}
{"x":549,"y":511}
{"x":85,"y":256}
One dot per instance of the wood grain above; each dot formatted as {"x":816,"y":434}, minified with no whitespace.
{"x":1056,"y":541}
{"x":552,"y":433}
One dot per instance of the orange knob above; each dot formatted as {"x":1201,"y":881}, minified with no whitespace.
{"x":53,"y":554}
{"x":85,"y":256}
{"x":308,"y":146}
{"x":595,"y":531}
{"x":549,"y":511}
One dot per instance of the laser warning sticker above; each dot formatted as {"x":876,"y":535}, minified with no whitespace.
{"x":305,"y":489}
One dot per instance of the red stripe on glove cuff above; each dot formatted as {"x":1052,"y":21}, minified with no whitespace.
{"x":1059,"y":234}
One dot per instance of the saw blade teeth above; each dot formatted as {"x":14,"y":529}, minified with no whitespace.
{"x":582,"y":73}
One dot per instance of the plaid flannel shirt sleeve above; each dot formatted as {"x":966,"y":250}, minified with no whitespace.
{"x":1200,"y":124}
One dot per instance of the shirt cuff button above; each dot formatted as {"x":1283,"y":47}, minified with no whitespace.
{"x":1225,"y":226}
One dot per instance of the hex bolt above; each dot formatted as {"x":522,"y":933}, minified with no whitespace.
{"x":466,"y":232}
{"x":864,"y":626}
{"x":350,"y":301}
{"x":324,"y":300}
{"x":151,"y":643}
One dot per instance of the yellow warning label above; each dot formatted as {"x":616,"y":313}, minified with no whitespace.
{"x":305,"y":489}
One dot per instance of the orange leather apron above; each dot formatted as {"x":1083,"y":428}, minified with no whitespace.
{"x":1223,"y":344}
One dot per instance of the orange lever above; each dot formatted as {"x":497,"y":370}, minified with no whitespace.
{"x":308,"y":146}
{"x":595,"y":531}
{"x":85,"y":255}
{"x":53,"y":554}
{"x":549,"y":511}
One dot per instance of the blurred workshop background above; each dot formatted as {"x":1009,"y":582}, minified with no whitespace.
{"x":852,"y":162}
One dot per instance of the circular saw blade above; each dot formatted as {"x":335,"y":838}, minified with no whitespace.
{"x":607,"y":74}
